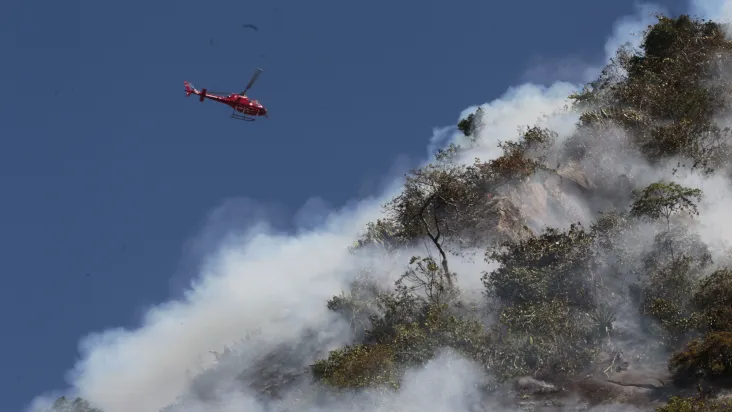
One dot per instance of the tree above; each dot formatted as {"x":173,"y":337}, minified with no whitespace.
{"x":549,"y":322}
{"x":709,"y":358}
{"x":666,"y":297}
{"x":678,"y":80}
{"x":358,"y":305}
{"x":713,"y":300}
{"x":555,"y":265}
{"x":520,"y":159}
{"x":386,"y":234}
{"x":664,"y":199}
{"x":472,"y":124}
{"x":427,"y":277}
{"x":437,"y":201}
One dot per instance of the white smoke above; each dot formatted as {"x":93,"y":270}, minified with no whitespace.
{"x":719,"y":10}
{"x":278,"y":284}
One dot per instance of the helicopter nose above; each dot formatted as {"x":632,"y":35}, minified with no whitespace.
{"x":262,"y":111}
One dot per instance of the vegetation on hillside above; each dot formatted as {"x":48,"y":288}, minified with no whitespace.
{"x":554,"y":317}
{"x":553,"y":296}
{"x":77,"y":405}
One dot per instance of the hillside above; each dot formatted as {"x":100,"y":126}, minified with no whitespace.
{"x":600,"y":286}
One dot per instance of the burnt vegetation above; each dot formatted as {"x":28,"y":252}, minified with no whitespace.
{"x":557,"y":301}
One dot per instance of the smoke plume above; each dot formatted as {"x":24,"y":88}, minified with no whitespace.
{"x":258,"y":289}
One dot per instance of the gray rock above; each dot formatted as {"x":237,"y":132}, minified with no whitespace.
{"x":533,"y":386}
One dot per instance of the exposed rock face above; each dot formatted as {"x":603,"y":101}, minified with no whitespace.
{"x":506,"y":219}
{"x":548,"y":200}
{"x":649,"y":377}
{"x":575,"y":178}
{"x":520,"y":209}
{"x":567,"y":195}
{"x":533,"y":386}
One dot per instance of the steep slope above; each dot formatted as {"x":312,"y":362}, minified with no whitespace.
{"x":604,"y":283}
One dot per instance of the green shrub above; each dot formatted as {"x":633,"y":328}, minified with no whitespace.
{"x":709,"y":358}
{"x":413,"y":323}
{"x":358,"y":366}
{"x":666,"y":297}
{"x":548,"y":339}
{"x":713,"y":300}
{"x":555,"y":265}
{"x":678,"y":404}
{"x":77,"y":405}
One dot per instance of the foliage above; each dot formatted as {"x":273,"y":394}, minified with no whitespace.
{"x":543,"y":268}
{"x":616,"y":242}
{"x":358,"y":366}
{"x":429,"y":196}
{"x":77,"y":405}
{"x":535,"y":138}
{"x":675,"y":49}
{"x":664,"y":199}
{"x":441,"y":201}
{"x":392,"y":347}
{"x":446,"y":201}
{"x":713,"y":301}
{"x":472,"y":124}
{"x":357,"y":305}
{"x":384,"y":233}
{"x":542,"y":283}
{"x":548,"y":339}
{"x":428,"y":278}
{"x":709,"y":358}
{"x":520,"y":159}
{"x":669,"y":246}
{"x":666,"y":298}
{"x":415,"y":321}
{"x":679,"y":404}
{"x":598,"y":92}
{"x":673,"y":268}
{"x":549,"y":322}
{"x":678,"y":79}
{"x":629,"y":118}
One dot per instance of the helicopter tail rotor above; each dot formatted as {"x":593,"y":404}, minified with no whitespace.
{"x":189,"y":88}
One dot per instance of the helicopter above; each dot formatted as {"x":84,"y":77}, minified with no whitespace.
{"x":245,"y":108}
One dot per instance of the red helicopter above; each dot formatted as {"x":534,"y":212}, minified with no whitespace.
{"x":244,"y":108}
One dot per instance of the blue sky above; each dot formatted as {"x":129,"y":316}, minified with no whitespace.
{"x":108,"y":172}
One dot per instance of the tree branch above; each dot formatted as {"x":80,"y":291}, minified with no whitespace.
{"x":436,"y":237}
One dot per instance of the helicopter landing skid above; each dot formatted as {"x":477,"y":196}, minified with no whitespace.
{"x":242,"y":117}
